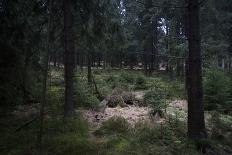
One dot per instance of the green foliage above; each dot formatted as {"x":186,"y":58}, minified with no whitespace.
{"x":216,"y":90}
{"x":141,"y":82}
{"x":63,"y":126}
{"x":176,"y":89}
{"x":116,"y":145}
{"x":55,"y":100}
{"x":147,"y":139}
{"x":71,"y":144}
{"x":21,"y":142}
{"x":156,"y":98}
{"x":127,"y":77}
{"x":83,"y":95}
{"x":115,"y":125}
{"x":221,"y":127}
{"x":69,"y":136}
{"x":103,"y":86}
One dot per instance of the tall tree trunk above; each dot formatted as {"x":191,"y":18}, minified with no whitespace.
{"x":154,"y":64}
{"x":44,"y":93}
{"x":54,"y":61}
{"x":25,"y":82}
{"x":81,"y":57}
{"x":145,"y":55}
{"x":89,"y":67}
{"x":104,"y":60}
{"x":69,"y":57}
{"x":230,"y":64}
{"x":196,"y":123}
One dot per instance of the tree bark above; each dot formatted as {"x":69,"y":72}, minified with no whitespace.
{"x":154,"y":44}
{"x":89,"y":67}
{"x":69,"y":57}
{"x":44,"y":93}
{"x":196,"y":123}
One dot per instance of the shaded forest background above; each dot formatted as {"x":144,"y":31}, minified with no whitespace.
{"x":59,"y":56}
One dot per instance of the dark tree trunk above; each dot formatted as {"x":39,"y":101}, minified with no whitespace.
{"x":196,"y":123}
{"x":154,"y":44}
{"x":69,"y":57}
{"x":81,"y":61}
{"x":230,"y":64}
{"x":99,"y":60}
{"x":89,"y":67}
{"x":178,"y":68}
{"x":44,"y":93}
{"x":145,"y":55}
{"x":25,"y":81}
{"x":105,"y":60}
{"x":54,"y":61}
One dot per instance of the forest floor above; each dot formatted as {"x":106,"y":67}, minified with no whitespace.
{"x":114,"y":131}
{"x":132,"y":113}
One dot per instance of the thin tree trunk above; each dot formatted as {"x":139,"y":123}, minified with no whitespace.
{"x":89,"y":67}
{"x":230,"y":64}
{"x":104,"y":61}
{"x":44,"y":93}
{"x":55,"y":61}
{"x":196,"y":123}
{"x":145,"y":62}
{"x":26,"y":78}
{"x":154,"y":44}
{"x":69,"y":58}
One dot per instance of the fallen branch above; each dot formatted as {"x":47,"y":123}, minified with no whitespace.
{"x":26,"y":124}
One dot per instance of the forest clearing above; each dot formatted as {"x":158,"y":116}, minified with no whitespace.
{"x":115,"y":77}
{"x":113,"y":128}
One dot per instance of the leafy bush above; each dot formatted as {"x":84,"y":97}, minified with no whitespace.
{"x":71,"y":144}
{"x":127,"y":77}
{"x":216,"y":90}
{"x":111,"y":78}
{"x":221,"y":127}
{"x":55,"y":100}
{"x":157,"y":139}
{"x":156,"y":98}
{"x":83,"y":95}
{"x":140,"y":82}
{"x":69,"y":136}
{"x":115,"y":125}
{"x":176,"y":89}
{"x":116,"y":145}
{"x":62,"y":126}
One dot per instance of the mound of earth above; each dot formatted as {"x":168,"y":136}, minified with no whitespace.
{"x":132,"y":114}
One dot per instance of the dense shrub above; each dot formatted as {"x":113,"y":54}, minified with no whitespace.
{"x":62,"y":126}
{"x":69,"y":136}
{"x":127,"y":77}
{"x":116,"y":145}
{"x":83,"y":95}
{"x":156,"y":98}
{"x":55,"y":100}
{"x":216,"y":90}
{"x":115,"y":125}
{"x":221,"y":127}
{"x":176,"y":89}
{"x":140,"y":82}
